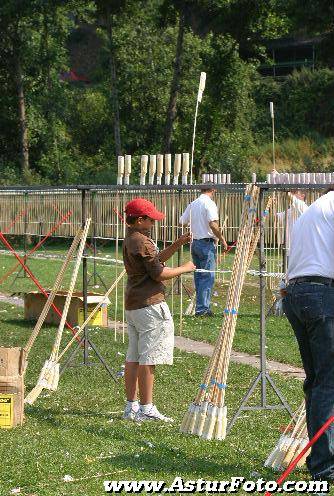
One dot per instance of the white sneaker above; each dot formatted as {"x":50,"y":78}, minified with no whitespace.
{"x":152,"y":414}
{"x":131,"y":410}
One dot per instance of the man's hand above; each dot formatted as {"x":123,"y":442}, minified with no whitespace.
{"x":184,"y":239}
{"x":188,"y":267}
{"x":217,"y":232}
{"x":224,"y":244}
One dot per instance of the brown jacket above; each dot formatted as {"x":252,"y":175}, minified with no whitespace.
{"x":143,"y":267}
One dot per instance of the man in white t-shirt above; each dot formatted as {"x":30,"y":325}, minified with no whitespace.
{"x":202,"y":216}
{"x":295,"y":210}
{"x":309,"y":305}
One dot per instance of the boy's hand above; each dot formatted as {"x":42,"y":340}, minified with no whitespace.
{"x":184,"y":239}
{"x":189,"y":267}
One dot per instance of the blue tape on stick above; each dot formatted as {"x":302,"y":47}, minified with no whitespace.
{"x":265,"y":212}
{"x":203,"y":386}
{"x":226,"y":311}
{"x":247,"y":197}
{"x":213,"y":382}
{"x":234,"y":311}
{"x":221,"y":385}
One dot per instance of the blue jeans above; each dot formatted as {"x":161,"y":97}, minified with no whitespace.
{"x":309,"y":308}
{"x":204,"y":257}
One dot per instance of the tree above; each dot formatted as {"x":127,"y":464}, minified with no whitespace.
{"x":182,"y":12}
{"x":106,"y":10}
{"x":33,"y":56}
{"x":13,"y":19}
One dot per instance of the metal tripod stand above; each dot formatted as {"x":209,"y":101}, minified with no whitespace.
{"x":86,"y":344}
{"x":263,"y":378}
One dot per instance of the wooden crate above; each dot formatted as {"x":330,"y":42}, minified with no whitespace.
{"x":12,"y":368}
{"x":35,"y":301}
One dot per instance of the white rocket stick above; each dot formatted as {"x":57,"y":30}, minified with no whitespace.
{"x":201,"y":89}
{"x":272,"y":115}
{"x":127,"y":169}
{"x":143,"y":169}
{"x":120,"y":170}
{"x":152,"y":168}
{"x":168,"y":168}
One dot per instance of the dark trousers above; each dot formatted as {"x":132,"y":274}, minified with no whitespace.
{"x":204,"y":257}
{"x":309,"y":308}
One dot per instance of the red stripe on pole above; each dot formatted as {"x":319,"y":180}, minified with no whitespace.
{"x":23,"y":212}
{"x":231,"y":246}
{"x":302,"y":453}
{"x":118,"y":215}
{"x":61,"y":221}
{"x":35,"y":281}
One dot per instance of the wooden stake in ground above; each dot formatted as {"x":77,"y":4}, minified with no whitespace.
{"x":92,"y":314}
{"x":49,"y":376}
{"x":53,"y":293}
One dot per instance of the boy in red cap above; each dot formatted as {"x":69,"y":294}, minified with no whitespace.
{"x":150,"y":324}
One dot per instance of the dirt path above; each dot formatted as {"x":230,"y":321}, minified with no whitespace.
{"x":205,"y":349}
{"x":201,"y":348}
{"x":12,"y":300}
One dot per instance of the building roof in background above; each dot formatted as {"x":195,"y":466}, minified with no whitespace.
{"x":291,"y":42}
{"x":73,"y":77}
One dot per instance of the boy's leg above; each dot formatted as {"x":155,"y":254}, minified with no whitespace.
{"x":131,"y":380}
{"x":155,"y":329}
{"x":131,"y":371}
{"x":146,"y":383}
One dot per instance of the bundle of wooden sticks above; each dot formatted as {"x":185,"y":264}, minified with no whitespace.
{"x":291,"y":442}
{"x":207,"y":415}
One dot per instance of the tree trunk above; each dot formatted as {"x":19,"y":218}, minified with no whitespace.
{"x":174,"y":89}
{"x":24,"y":145}
{"x":200,"y":167}
{"x":44,"y":50}
{"x":114,"y":90}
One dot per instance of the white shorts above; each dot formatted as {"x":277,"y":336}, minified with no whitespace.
{"x":151,"y":335}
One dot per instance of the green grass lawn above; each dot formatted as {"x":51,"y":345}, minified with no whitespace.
{"x":281,"y":343}
{"x":78,"y":430}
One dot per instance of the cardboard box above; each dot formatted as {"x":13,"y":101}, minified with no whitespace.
{"x":12,"y":368}
{"x":6,"y":411}
{"x":34,"y":303}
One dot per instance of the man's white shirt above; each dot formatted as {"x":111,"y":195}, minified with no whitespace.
{"x":198,"y":214}
{"x":297,"y":208}
{"x":312,"y":240}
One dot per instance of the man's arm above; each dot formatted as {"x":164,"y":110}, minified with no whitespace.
{"x":185,"y":217}
{"x":168,"y":252}
{"x":217,"y":232}
{"x":297,"y":204}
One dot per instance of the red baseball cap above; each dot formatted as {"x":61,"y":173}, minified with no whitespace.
{"x":140,"y":207}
